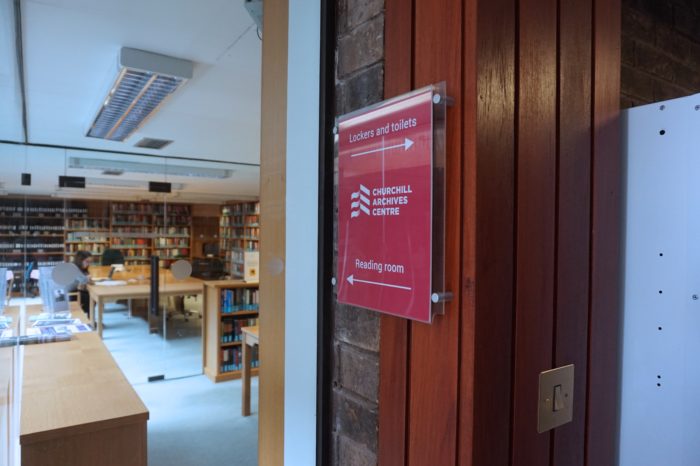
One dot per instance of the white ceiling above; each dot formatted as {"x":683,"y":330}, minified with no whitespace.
{"x":70,"y":54}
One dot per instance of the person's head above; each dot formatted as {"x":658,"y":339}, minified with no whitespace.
{"x":82,"y":259}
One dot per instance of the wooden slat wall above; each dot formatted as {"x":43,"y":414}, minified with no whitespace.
{"x":604,"y":327}
{"x":573,"y":239}
{"x":272,"y":233}
{"x":398,"y":77}
{"x":535,"y":132}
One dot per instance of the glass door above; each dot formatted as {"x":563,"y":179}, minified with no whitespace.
{"x":180,"y":295}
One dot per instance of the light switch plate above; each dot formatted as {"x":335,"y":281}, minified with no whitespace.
{"x":547,"y":417}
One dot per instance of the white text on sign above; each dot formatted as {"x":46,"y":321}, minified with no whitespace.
{"x":393,"y":127}
{"x":379,"y":267}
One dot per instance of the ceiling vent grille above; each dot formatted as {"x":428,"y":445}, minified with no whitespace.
{"x":153,"y":143}
{"x":146,"y":79}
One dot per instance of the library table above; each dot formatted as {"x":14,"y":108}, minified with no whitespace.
{"x":250,"y":338}
{"x":100,"y":294}
{"x":77,"y":407}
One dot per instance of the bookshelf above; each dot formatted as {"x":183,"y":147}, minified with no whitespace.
{"x":131,"y":231}
{"x":31,"y":230}
{"x":86,"y":228}
{"x":239,"y":231}
{"x":143,"y":229}
{"x":172,"y":229}
{"x":228,"y":306}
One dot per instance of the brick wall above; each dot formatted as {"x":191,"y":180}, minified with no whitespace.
{"x":359,"y":82}
{"x":660,"y":50}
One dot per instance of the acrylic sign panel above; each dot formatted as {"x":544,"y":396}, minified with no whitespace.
{"x":385,"y":195}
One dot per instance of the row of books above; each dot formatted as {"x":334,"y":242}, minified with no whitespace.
{"x":41,"y":210}
{"x":172,"y":242}
{"x":131,"y":207}
{"x":180,"y":231}
{"x":239,"y":221}
{"x":131,"y":219}
{"x":172,"y":209}
{"x":232,"y":359}
{"x":87,"y":223}
{"x":24,"y":227}
{"x":239,"y":299}
{"x":94,"y":248}
{"x":242,"y":208}
{"x":248,"y":245}
{"x":177,"y":220}
{"x":130,"y":241}
{"x":231,"y":329}
{"x":87,"y":238}
{"x":241,"y":232}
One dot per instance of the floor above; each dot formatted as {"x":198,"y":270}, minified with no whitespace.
{"x":193,"y":421}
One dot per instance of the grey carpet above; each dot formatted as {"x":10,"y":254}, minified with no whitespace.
{"x":193,"y":421}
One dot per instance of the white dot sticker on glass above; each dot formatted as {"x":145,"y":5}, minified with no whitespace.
{"x":181,"y":269}
{"x":66,"y":274}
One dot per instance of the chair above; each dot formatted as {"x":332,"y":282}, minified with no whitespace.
{"x":112,"y":256}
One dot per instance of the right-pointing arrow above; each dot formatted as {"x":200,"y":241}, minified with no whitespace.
{"x":407,"y":143}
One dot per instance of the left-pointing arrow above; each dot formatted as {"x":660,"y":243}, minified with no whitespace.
{"x":351,"y":279}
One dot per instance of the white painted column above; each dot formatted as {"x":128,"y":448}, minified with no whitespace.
{"x":303,"y":80}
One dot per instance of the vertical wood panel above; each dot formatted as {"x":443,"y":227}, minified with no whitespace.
{"x":433,"y":403}
{"x":272,"y":233}
{"x":495,"y":196}
{"x":465,"y":439}
{"x":604,"y":340}
{"x":571,"y":342}
{"x":393,"y":350}
{"x":535,"y":249}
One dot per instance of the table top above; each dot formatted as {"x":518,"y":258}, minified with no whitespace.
{"x":73,"y":387}
{"x":13,"y":311}
{"x":230,"y":284}
{"x":135,"y":290}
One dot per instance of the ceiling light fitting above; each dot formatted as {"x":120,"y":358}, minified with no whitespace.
{"x":114,"y":166}
{"x":145,"y":80}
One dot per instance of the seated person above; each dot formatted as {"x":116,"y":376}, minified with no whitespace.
{"x":82,"y":260}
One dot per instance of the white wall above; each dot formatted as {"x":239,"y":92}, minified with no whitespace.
{"x":301,"y":232}
{"x":660,"y":421}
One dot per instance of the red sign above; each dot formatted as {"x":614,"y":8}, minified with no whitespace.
{"x":385,"y":195}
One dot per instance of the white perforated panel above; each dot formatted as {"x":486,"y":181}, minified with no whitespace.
{"x":660,"y":418}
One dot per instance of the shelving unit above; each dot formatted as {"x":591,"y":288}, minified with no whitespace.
{"x":173,"y":228}
{"x":131,"y":230}
{"x":143,"y":229}
{"x":86,"y":229}
{"x":31,"y":230}
{"x":228,"y":306}
{"x":239,"y":231}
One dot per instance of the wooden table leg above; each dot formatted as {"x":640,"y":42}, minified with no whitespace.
{"x":91,"y":316}
{"x":98,"y":316}
{"x":245,"y":405}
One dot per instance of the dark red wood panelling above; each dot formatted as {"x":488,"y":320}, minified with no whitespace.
{"x":573,"y":235}
{"x":495,"y":204}
{"x":535,"y":230}
{"x":465,"y":446}
{"x":434,"y":368}
{"x":393,"y":351}
{"x":605,"y":311}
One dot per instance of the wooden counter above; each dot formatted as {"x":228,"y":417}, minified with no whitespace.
{"x":78,"y":408}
